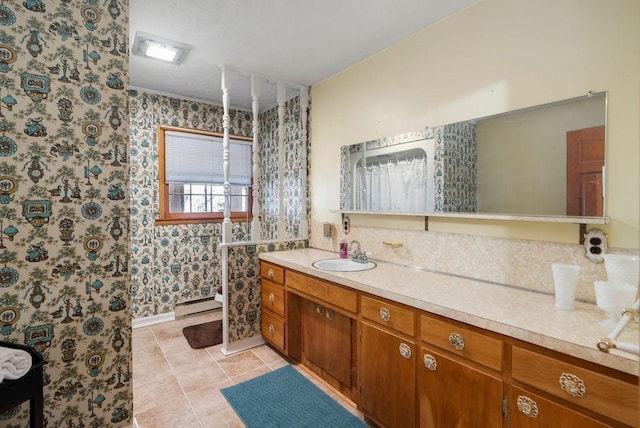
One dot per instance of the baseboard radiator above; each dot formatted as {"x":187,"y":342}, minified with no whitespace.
{"x":197,"y":306}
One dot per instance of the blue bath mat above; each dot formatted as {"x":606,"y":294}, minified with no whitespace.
{"x":284,"y":398}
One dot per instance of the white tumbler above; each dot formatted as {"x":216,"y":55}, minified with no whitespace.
{"x":565,"y":279}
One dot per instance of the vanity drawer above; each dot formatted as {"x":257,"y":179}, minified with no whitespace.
{"x":463,"y":341}
{"x":273,"y":330}
{"x":273,"y":297}
{"x":529,"y":410}
{"x":327,"y":292}
{"x":388,"y":314}
{"x":272,"y":272}
{"x":608,"y":396}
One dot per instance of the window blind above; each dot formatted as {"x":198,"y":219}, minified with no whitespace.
{"x":194,"y":158}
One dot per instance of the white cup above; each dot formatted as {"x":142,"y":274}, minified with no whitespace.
{"x":565,"y":279}
{"x":622,"y":269}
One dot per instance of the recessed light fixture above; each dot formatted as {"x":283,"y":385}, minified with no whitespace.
{"x":146,"y":44}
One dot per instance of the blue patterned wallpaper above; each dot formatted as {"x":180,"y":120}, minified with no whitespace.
{"x":293,"y":177}
{"x":64,"y":221}
{"x":244,"y":286}
{"x":455,"y":167}
{"x":171,"y":264}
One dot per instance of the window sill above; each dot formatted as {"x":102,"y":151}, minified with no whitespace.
{"x":199,"y":220}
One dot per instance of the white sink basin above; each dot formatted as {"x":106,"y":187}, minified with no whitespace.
{"x":342,"y":265}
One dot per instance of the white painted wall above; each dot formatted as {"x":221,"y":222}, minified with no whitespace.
{"x":494,"y":56}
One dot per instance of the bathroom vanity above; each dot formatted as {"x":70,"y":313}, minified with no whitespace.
{"x":417,"y":348}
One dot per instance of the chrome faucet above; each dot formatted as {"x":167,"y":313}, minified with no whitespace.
{"x":357,"y":255}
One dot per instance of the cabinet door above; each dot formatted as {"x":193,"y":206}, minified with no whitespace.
{"x":327,"y":341}
{"x":313,"y":333}
{"x":453,"y":394}
{"x":338,"y":350}
{"x":528,"y":410}
{"x":386,"y":377}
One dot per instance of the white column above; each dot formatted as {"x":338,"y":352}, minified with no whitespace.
{"x":281,"y":93}
{"x":304,"y":139}
{"x":226,"y":222}
{"x":255,"y":209}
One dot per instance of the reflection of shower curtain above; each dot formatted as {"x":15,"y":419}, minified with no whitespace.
{"x":398,"y":185}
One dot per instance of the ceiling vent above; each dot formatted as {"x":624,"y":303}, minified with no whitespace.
{"x":151,"y":46}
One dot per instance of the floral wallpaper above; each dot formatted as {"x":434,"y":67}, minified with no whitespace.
{"x":269,"y":174}
{"x":64,"y":222}
{"x":455,"y":167}
{"x":244,"y":286}
{"x":292,"y":176}
{"x":178,"y":263}
{"x":171,"y":263}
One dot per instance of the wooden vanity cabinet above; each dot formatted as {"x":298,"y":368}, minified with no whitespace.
{"x":409,"y":368}
{"x":459,"y":376}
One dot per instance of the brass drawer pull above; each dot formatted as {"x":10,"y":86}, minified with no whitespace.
{"x":329,"y":314}
{"x":385,"y":315}
{"x":272,"y":329}
{"x":270,"y":273}
{"x":430,"y":362}
{"x":405,"y":350}
{"x":456,"y":341}
{"x":319,"y":309}
{"x":527,"y":406}
{"x":272,"y":297}
{"x":572,"y":385}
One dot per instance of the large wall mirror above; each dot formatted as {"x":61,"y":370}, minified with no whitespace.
{"x":545,"y":160}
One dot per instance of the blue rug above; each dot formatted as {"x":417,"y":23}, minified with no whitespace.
{"x":285,"y":398}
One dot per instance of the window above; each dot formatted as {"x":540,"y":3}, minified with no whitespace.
{"x":191,"y":176}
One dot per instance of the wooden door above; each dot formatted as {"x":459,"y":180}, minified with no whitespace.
{"x":585,"y":159}
{"x":452,"y":394}
{"x":528,"y":410}
{"x":386,"y":377}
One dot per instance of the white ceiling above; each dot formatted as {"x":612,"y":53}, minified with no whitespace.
{"x":298,"y":41}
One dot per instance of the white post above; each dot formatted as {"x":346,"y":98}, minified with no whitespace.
{"x":226,"y":222}
{"x":225,"y":296}
{"x":304,"y":110}
{"x":281,"y":93}
{"x":255,"y":208}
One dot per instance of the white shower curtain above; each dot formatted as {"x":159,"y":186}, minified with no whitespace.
{"x":398,"y":186}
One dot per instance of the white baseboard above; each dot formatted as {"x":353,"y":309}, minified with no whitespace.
{"x":242,"y":345}
{"x":155,"y":319}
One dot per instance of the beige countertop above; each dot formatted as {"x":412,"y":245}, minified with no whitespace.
{"x":517,"y":313}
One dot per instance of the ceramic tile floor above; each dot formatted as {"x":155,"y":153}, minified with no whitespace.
{"x":176,"y":386}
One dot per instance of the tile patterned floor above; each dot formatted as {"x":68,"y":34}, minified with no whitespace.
{"x":176,"y":386}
